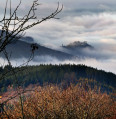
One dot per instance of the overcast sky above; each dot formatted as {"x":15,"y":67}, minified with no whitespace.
{"x":84,"y":20}
{"x":90,"y":20}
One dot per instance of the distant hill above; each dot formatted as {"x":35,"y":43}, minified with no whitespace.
{"x":57,"y":74}
{"x":22,"y":49}
{"x":73,"y":51}
{"x":80,"y":49}
{"x":78,"y":45}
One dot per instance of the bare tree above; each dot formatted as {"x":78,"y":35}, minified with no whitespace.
{"x":20,"y":25}
{"x":13,"y":27}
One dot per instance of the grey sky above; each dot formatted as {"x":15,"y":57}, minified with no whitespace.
{"x":85,"y":20}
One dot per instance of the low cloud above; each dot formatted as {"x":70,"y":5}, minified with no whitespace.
{"x":107,"y":65}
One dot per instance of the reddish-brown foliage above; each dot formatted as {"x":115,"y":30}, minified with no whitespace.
{"x":75,"y":102}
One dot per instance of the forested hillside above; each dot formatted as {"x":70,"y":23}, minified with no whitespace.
{"x":56,"y":74}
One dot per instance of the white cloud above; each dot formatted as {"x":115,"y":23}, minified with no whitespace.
{"x":108,"y":65}
{"x":86,"y":27}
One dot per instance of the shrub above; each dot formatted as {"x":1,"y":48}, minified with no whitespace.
{"x":75,"y":102}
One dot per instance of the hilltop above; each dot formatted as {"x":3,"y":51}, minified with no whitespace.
{"x":56,"y":74}
{"x":78,"y":44}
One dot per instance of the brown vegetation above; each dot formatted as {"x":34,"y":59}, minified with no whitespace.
{"x":75,"y":102}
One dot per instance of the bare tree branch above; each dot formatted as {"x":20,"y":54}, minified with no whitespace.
{"x":20,"y":25}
